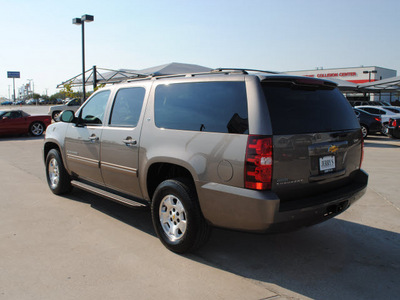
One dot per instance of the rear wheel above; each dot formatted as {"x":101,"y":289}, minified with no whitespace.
{"x":36,"y":128}
{"x":364,"y":130}
{"x":177,"y":218}
{"x":58,"y":179}
{"x":385,"y":129}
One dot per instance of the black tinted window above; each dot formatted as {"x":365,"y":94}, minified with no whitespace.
{"x":13,"y":115}
{"x":306,"y":109}
{"x":202,"y":106}
{"x":127,"y":107}
{"x":93,"y":111}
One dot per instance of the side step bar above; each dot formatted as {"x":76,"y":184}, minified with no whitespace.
{"x":108,"y":195}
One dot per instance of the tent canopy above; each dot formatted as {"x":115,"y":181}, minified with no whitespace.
{"x":114,"y":76}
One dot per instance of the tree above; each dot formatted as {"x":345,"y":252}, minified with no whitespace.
{"x":68,"y":92}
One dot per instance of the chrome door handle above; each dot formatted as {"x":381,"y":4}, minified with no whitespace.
{"x":93,"y":138}
{"x":129,"y":141}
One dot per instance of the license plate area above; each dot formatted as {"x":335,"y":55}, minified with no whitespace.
{"x":327,"y":164}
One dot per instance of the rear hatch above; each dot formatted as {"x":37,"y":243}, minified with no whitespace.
{"x":317,"y":142}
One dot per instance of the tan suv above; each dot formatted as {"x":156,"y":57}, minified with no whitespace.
{"x":230,"y":148}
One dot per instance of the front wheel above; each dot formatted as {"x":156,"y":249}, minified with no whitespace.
{"x":56,"y":115}
{"x":36,"y":128}
{"x":177,"y":218}
{"x":58,"y":179}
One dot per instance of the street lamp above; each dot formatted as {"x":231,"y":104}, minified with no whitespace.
{"x":369,"y":72}
{"x":81,"y":21}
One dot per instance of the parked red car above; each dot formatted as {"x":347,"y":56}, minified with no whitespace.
{"x":20,"y":122}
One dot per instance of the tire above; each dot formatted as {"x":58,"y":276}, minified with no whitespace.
{"x":177,"y":218}
{"x":364,"y":130}
{"x":58,"y":179}
{"x":55,"y":115}
{"x":385,"y":129}
{"x":36,"y":128}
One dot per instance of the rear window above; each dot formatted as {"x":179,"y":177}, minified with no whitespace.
{"x":307,"y":109}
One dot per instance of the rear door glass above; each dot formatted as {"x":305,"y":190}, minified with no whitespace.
{"x":202,"y":106}
{"x":298,"y":109}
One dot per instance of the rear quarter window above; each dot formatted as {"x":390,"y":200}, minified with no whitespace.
{"x":202,"y":106}
{"x":305,"y":109}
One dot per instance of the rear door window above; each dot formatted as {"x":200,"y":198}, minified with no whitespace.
{"x":127,"y":107}
{"x":306,"y":108}
{"x":202,"y":106}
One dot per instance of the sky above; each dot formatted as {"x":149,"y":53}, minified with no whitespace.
{"x":38,"y":39}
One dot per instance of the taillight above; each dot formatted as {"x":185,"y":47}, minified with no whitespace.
{"x":258,"y":165}
{"x":394,"y":123}
{"x":378,"y":119}
{"x":362,"y":152}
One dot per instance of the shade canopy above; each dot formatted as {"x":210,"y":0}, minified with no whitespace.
{"x":107,"y":76}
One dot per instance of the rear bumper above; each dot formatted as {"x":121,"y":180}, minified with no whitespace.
{"x":394,"y":132}
{"x":261,"y":211}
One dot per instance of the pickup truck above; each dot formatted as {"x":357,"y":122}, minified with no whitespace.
{"x":55,"y":110}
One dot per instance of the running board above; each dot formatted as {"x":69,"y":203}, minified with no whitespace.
{"x":108,"y":195}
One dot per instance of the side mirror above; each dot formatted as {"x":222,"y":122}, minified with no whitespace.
{"x":67,"y":116}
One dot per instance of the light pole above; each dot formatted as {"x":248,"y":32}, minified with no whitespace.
{"x":81,"y":21}
{"x":369,"y":80}
{"x":369,"y":72}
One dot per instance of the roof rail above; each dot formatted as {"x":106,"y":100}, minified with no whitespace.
{"x":243,"y":71}
{"x":214,"y":71}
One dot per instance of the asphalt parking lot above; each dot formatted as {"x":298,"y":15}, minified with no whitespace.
{"x":83,"y":247}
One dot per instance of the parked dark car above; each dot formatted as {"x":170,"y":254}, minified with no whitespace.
{"x":369,"y":123}
{"x":20,"y":122}
{"x":394,"y":128}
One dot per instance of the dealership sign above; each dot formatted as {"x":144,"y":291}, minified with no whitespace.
{"x":13,"y":74}
{"x":342,"y":74}
{"x":336,"y":74}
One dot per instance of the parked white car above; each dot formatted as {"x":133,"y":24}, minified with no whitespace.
{"x":395,"y":109}
{"x":54,"y":111}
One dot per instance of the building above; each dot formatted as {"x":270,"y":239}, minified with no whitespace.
{"x":356,"y":75}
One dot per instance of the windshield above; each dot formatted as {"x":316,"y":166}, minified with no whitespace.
{"x":2,"y":112}
{"x":298,"y":109}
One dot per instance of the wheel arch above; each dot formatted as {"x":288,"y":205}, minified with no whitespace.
{"x":161,"y":171}
{"x":49,"y":145}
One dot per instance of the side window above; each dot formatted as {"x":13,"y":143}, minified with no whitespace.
{"x":74,"y":102}
{"x":127,"y":107}
{"x":202,"y":106}
{"x":12,"y":115}
{"x":370,"y":110}
{"x":93,"y":111}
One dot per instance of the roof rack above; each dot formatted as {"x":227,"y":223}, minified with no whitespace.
{"x":243,"y":71}
{"x":214,"y":71}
